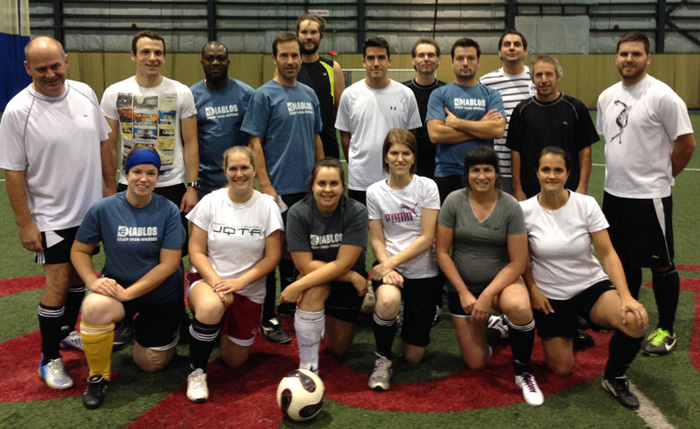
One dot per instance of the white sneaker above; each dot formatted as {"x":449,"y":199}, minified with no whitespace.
{"x":380,"y":379}
{"x":499,"y":323}
{"x":197,"y":389}
{"x":54,"y":375}
{"x":531,"y":391}
{"x":72,"y":341}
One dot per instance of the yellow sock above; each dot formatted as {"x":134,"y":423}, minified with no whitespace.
{"x":97,"y":343}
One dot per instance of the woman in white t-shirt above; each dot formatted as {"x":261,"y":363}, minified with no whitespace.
{"x":403,"y":211}
{"x":566,"y":281}
{"x":235,"y":242}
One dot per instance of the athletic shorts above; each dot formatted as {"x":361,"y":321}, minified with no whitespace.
{"x":419,"y":297}
{"x":343,"y":303}
{"x":455,"y":305}
{"x":58,"y":252}
{"x":564,"y":321}
{"x":448,"y":184}
{"x":641,"y":230}
{"x":241,"y":320}
{"x":156,"y":326}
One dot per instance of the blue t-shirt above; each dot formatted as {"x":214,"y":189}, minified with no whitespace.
{"x":286,"y":119}
{"x":132,"y":238}
{"x":465,"y":102}
{"x":219,"y":118}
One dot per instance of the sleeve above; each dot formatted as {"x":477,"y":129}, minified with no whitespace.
{"x":297,"y":233}
{"x":174,"y":234}
{"x":412,"y":113}
{"x":436,"y":105}
{"x":13,"y":155}
{"x":356,"y":224}
{"x":274,"y":217}
{"x":186,"y":102}
{"x":594,"y":215}
{"x":342,"y":120}
{"x":90,"y":231}
{"x":674,"y":115}
{"x":586,"y":133}
{"x":256,"y":117}
{"x":516,"y":220}
{"x":495,"y":101}
{"x":447,"y":216}
{"x":201,"y":214}
{"x":373,"y":209}
{"x":109,"y":103}
{"x":431,"y":195}
{"x":515,"y":137}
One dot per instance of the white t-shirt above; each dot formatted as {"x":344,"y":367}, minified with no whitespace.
{"x":561,"y":247}
{"x":236,"y":234}
{"x":640,"y":124}
{"x":151,"y":117}
{"x":368,"y":115}
{"x":401,"y":214}
{"x":56,"y":142}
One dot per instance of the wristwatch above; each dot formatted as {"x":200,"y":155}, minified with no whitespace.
{"x":193,"y":185}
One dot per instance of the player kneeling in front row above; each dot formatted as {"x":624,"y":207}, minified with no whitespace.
{"x":143,"y":237}
{"x":236,"y":241}
{"x":566,"y":281}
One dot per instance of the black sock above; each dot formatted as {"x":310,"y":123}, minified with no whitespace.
{"x":634,"y":279}
{"x":384,"y":333}
{"x":623,"y":350}
{"x":50,"y":321}
{"x":268,"y":311}
{"x":493,"y":336}
{"x":667,"y":286}
{"x":202,"y":338}
{"x":522,"y":339}
{"x":73,"y":303}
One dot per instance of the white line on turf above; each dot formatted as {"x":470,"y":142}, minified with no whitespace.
{"x":685,"y":169}
{"x":651,"y":415}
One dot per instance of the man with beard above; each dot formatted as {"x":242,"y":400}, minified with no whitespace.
{"x":284,"y":122}
{"x":648,"y":142}
{"x":323,"y":75}
{"x":426,"y":59}
{"x":221,"y":105}
{"x":461,"y":115}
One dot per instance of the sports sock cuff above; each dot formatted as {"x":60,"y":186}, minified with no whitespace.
{"x":383,"y":322}
{"x":87,"y":329}
{"x":203,"y":332}
{"x":310,"y":316}
{"x":662,"y":274}
{"x":522,"y":328}
{"x":50,"y":312}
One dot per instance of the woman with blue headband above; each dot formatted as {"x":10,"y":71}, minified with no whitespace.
{"x":143,"y":237}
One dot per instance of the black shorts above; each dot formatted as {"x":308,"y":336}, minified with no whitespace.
{"x":641,"y":230}
{"x":156,"y":326}
{"x":564,"y":321}
{"x":448,"y":184}
{"x":455,"y":305}
{"x":343,"y":303}
{"x":419,"y":298}
{"x":59,"y":253}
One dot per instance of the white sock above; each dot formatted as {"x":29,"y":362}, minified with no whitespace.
{"x":309,"y":328}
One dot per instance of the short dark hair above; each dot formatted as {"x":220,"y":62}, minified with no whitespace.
{"x":327,"y":162}
{"x":481,"y":154}
{"x":404,"y":137}
{"x":427,"y":41}
{"x":213,"y":43}
{"x":466,"y":42}
{"x":375,"y":42}
{"x":555,"y":150}
{"x":511,"y":31}
{"x":149,"y":34}
{"x":634,"y":36}
{"x":315,"y":18}
{"x":283,"y":38}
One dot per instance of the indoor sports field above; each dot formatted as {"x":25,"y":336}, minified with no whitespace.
{"x":437,"y":393}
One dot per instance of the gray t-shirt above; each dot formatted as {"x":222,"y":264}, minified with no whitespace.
{"x":480,"y":248}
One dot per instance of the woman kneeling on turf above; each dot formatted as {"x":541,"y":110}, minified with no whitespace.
{"x":484,"y":227}
{"x":403,"y":211}
{"x":566,"y":281}
{"x":326,"y":235}
{"x":143,"y":237}
{"x":235,"y":243}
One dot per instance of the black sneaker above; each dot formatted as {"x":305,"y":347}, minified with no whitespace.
{"x":583,"y":340}
{"x":123,"y":334}
{"x":272,"y":330}
{"x":94,"y":395}
{"x":619,"y":388}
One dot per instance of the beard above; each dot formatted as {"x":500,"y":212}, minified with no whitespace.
{"x":305,"y":51}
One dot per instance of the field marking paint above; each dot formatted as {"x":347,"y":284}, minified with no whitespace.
{"x":685,"y":169}
{"x":651,"y":415}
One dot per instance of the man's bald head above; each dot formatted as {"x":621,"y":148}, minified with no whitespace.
{"x":41,"y":43}
{"x":47,"y":63}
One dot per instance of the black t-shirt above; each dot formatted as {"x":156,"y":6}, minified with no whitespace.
{"x":426,"y":149}
{"x":316,"y":76}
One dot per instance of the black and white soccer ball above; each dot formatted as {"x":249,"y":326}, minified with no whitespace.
{"x":300,"y":395}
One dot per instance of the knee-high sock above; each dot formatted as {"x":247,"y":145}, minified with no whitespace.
{"x":667,"y":288}
{"x":73,"y":302}
{"x":202,"y":338}
{"x":309,"y":327}
{"x":97,"y":342}
{"x":50,"y":321}
{"x":270,"y":294}
{"x":634,"y":279}
{"x":623,"y":350}
{"x":493,"y":336}
{"x":384,"y":333}
{"x":522,"y":338}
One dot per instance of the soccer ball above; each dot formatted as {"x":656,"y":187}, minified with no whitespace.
{"x":300,"y":395}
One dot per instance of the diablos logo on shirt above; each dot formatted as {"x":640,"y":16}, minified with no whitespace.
{"x":137,"y":233}
{"x":300,"y":108}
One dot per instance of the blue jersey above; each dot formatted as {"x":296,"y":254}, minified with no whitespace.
{"x":286,"y":119}
{"x":132,"y":238}
{"x":219,"y":118}
{"x":465,"y":102}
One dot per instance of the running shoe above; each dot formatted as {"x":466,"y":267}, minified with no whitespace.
{"x":94,"y":395}
{"x":54,"y":375}
{"x":273,"y":332}
{"x":380,"y":380}
{"x":619,"y":387}
{"x":659,"y":343}
{"x":123,"y":334}
{"x":197,"y":389}
{"x":72,"y":341}
{"x":500,"y":324}
{"x":531,"y":391}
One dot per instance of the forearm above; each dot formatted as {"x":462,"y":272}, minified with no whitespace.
{"x":191,"y":150}
{"x":516,"y":170}
{"x":682,"y":153}
{"x":613,"y":267}
{"x":442,"y":134}
{"x":255,"y":144}
{"x":17,"y":194}
{"x":203,"y":266}
{"x":482,"y":129}
{"x":585,"y":164}
{"x":450,"y":271}
{"x":113,"y":141}
{"x":318,"y":148}
{"x":82,"y":262}
{"x":108,"y":173}
{"x":151,"y":280}
{"x":324,"y":273}
{"x":345,"y":142}
{"x":419,"y":245}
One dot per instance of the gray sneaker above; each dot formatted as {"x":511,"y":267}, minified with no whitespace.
{"x":380,"y":380}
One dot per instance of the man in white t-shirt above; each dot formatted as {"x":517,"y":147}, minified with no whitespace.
{"x":648,"y":141}
{"x":51,"y":121}
{"x":368,"y":110}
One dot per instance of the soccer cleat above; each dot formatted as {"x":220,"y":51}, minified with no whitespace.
{"x":54,"y":375}
{"x":436,"y":318}
{"x":123,"y":334}
{"x":380,"y":380}
{"x":659,"y":343}
{"x":309,"y":367}
{"x":531,"y":391}
{"x":583,"y":340}
{"x":499,"y":323}
{"x":94,"y":395}
{"x":197,"y":389}
{"x":620,"y":389}
{"x":72,"y":341}
{"x":273,"y":332}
